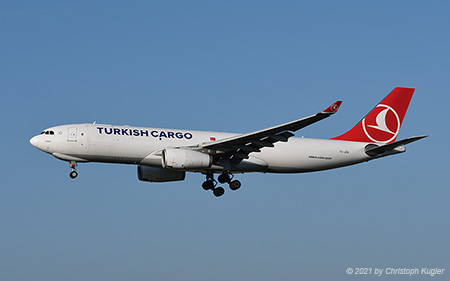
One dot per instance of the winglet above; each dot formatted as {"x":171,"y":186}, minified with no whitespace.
{"x":333,"y":108}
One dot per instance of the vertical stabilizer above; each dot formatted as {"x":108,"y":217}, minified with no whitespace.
{"x":383,"y":123}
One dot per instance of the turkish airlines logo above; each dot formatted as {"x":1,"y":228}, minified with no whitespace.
{"x":382,"y":124}
{"x":334,"y":108}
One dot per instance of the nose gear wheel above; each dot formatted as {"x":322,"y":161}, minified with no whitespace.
{"x":74,"y":173}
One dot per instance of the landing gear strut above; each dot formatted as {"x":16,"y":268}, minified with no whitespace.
{"x":225,"y":177}
{"x":74,"y":173}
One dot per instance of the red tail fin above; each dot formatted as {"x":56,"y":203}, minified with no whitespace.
{"x":383,"y":123}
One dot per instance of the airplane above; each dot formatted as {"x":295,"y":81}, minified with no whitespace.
{"x":165,"y":155}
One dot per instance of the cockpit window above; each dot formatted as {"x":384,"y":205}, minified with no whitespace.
{"x":47,"y":133}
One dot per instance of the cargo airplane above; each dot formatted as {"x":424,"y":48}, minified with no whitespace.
{"x":164,"y":155}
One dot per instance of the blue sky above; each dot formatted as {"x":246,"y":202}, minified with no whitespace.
{"x":234,"y":66}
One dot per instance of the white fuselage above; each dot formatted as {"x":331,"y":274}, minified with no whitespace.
{"x":139,"y":145}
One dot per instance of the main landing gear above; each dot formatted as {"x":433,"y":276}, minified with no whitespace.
{"x":211,"y":183}
{"x":74,"y":173}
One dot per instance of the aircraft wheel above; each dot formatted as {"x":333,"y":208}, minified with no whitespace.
{"x":223,"y":178}
{"x":219,"y":191}
{"x":73,"y":174}
{"x":207,"y":185}
{"x":235,"y":185}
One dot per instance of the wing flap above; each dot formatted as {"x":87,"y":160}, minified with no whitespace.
{"x":246,"y":148}
{"x":283,"y":137}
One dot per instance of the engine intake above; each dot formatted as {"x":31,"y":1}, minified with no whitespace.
{"x":178,"y":158}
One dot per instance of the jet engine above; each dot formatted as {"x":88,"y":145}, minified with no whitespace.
{"x":178,"y":158}
{"x":152,"y":174}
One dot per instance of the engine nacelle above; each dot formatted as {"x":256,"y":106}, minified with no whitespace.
{"x":178,"y":158}
{"x":152,"y":174}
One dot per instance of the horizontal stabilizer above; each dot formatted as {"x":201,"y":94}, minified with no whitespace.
{"x":374,"y":150}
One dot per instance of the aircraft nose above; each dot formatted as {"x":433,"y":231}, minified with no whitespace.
{"x":36,"y":142}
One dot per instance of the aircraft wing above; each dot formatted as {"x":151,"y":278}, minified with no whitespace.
{"x":239,"y":147}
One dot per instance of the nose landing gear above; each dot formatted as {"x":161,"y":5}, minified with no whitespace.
{"x":211,"y":183}
{"x":74,"y":173}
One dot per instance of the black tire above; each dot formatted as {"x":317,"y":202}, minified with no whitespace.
{"x":207,"y":185}
{"x":235,"y":185}
{"x":223,"y":178}
{"x":73,"y":174}
{"x":219,"y":191}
